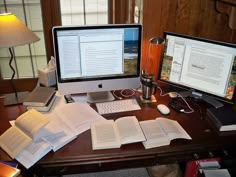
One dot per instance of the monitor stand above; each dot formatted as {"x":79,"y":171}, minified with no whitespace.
{"x":95,"y":97}
{"x":204,"y":97}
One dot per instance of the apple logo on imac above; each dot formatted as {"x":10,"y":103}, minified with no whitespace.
{"x":99,"y":85}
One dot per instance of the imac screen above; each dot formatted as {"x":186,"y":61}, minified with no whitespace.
{"x":201,"y":65}
{"x":97,"y":58}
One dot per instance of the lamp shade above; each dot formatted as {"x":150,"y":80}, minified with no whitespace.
{"x":13,"y":32}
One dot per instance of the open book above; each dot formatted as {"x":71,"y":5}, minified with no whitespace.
{"x":112,"y":134}
{"x":26,"y":128}
{"x":161,"y":131}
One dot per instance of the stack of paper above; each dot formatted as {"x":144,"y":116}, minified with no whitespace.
{"x":34,"y":134}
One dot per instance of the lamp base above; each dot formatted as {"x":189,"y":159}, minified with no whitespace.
{"x":11,"y":99}
{"x":151,"y":100}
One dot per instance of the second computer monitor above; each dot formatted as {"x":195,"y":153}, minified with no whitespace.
{"x":205,"y":68}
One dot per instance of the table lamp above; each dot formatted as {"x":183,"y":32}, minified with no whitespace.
{"x":14,"y":33}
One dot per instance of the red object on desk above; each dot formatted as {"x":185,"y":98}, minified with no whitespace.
{"x":192,"y":166}
{"x":7,"y":170}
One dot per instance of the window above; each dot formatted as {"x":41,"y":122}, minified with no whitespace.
{"x":28,"y":57}
{"x":80,"y":12}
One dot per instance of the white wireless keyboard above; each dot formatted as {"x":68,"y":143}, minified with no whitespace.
{"x":117,"y":106}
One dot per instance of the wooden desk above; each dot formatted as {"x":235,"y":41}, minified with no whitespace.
{"x":78,"y":156}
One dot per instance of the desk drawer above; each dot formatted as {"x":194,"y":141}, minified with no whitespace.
{"x":72,"y":168}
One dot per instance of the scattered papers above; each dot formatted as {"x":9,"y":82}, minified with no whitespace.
{"x":25,"y":130}
{"x":33,"y":153}
{"x":66,"y":121}
{"x":78,"y":116}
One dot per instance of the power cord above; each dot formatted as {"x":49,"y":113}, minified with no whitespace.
{"x":124,"y":94}
{"x":127,"y":95}
{"x":117,"y":97}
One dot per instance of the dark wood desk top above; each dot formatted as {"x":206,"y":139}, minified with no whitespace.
{"x":78,"y":153}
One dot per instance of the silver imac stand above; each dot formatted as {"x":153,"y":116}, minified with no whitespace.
{"x":95,"y":97}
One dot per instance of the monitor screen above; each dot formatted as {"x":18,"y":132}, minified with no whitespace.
{"x":97,"y":58}
{"x":200,"y":65}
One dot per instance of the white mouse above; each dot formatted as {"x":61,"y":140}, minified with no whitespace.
{"x":163,"y":109}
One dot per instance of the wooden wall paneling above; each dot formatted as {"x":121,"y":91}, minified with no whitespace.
{"x":168,"y":16}
{"x":204,"y":20}
{"x":233,"y":37}
{"x":111,"y":11}
{"x":225,"y":10}
{"x":214,"y":25}
{"x":196,"y":11}
{"x":229,"y":9}
{"x":120,"y":11}
{"x":200,"y":18}
{"x":198,"y":22}
{"x":159,"y":16}
{"x":182,"y":16}
{"x":152,"y":26}
{"x":217,"y":27}
{"x":51,"y":17}
{"x":196,"y":17}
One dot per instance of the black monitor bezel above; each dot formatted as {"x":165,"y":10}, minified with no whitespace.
{"x":88,"y":27}
{"x":186,"y":88}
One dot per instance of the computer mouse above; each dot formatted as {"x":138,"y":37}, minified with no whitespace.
{"x":163,"y":109}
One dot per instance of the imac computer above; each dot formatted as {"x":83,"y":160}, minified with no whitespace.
{"x":205,"y":68}
{"x":97,"y":59}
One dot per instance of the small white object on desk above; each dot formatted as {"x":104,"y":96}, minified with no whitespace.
{"x":163,"y":109}
{"x":47,"y":76}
